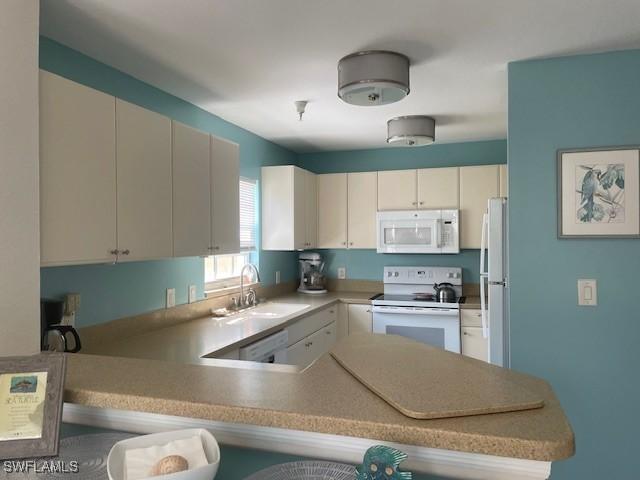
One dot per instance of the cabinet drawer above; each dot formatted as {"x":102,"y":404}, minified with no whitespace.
{"x":474,"y":345}
{"x":471,"y":318}
{"x":308,"y":325}
{"x":307,"y":350}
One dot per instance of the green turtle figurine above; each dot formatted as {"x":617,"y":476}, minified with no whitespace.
{"x":381,"y":463}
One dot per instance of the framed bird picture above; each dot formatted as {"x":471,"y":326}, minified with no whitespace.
{"x":599,"y":193}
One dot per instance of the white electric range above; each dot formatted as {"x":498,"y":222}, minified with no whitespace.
{"x":410,"y":308}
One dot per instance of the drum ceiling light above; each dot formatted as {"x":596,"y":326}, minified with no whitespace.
{"x":411,"y":131}
{"x":374,"y":77}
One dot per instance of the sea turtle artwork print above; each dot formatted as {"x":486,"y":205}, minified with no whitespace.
{"x":381,"y":463}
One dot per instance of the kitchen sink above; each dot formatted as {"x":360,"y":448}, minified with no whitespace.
{"x":264,"y":310}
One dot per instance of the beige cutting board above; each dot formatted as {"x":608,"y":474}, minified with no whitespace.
{"x":425,"y":382}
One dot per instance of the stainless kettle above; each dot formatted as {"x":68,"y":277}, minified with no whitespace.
{"x":445,"y":292}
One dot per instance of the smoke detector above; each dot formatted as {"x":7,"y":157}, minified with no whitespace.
{"x":411,"y":130}
{"x":375,"y":77}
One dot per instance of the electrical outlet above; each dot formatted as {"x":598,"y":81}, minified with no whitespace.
{"x":342,"y":273}
{"x":277,"y":277}
{"x":171,"y":297}
{"x":193,"y":294}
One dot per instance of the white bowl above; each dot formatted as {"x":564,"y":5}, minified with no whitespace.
{"x":115,"y":461}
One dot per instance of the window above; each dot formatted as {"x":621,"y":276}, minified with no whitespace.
{"x":222,"y":271}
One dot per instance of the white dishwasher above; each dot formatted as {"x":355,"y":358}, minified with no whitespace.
{"x":271,"y":349}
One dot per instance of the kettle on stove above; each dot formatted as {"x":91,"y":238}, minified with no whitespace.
{"x":445,"y":292}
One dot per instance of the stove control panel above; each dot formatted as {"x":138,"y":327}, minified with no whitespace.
{"x":423,"y":275}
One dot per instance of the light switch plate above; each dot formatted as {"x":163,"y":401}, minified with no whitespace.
{"x":342,"y":273}
{"x":171,"y":297}
{"x":587,"y":292}
{"x":193,"y":294}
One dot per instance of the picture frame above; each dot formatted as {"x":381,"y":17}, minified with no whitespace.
{"x":599,"y":192}
{"x":31,"y":387}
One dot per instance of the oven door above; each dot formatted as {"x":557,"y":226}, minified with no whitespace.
{"x":439,"y":327}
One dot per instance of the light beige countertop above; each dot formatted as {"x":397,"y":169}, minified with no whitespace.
{"x":470,"y":303}
{"x":323,"y":398}
{"x":188,"y":342}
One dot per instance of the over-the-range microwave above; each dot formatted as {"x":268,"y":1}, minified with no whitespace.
{"x":418,"y":231}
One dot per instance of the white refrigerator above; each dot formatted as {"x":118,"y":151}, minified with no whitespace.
{"x":494,"y":265}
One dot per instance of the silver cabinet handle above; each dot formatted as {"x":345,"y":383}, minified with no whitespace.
{"x":350,"y":243}
{"x":465,"y":333}
{"x":414,"y":203}
{"x":331,"y":311}
{"x":368,"y":310}
{"x":421,"y":203}
{"x":308,"y":344}
{"x":126,"y":252}
{"x":328,"y":332}
{"x":114,"y":252}
{"x":344,"y":243}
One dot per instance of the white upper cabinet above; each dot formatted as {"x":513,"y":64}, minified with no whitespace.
{"x":288,"y":212}
{"x":311,"y":209}
{"x":225,"y":196}
{"x":143,"y":157}
{"x":191,"y":192}
{"x":332,"y":210}
{"x":477,"y":185}
{"x":504,"y":181}
{"x":77,"y":173}
{"x":362,"y":191}
{"x":438,"y":188}
{"x":397,"y":190}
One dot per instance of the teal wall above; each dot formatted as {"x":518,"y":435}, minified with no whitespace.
{"x":367,"y":264}
{"x":112,"y":291}
{"x":589,"y":354}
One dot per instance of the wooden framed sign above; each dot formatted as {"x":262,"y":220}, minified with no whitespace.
{"x":31,"y":390}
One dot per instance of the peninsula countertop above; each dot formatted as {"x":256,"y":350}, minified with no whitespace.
{"x":323,"y":398}
{"x":193,"y":340}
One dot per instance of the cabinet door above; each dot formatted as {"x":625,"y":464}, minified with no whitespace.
{"x":277,"y":205}
{"x":362,"y":200}
{"x":191,"y":192}
{"x":332,"y":210}
{"x":330,"y":337}
{"x":342,"y":323}
{"x":477,"y":185}
{"x":438,"y":188}
{"x":473,"y":343}
{"x":225,"y":196}
{"x":304,"y":352}
{"x":299,"y":209}
{"x":504,"y":181}
{"x":397,"y":190}
{"x":311,"y":210}
{"x":77,"y":173}
{"x":143,"y":153}
{"x":360,"y":318}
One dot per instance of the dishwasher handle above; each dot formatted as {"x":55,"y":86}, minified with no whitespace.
{"x":452,"y":312}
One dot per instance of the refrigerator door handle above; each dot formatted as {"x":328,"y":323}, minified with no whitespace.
{"x":483,"y":244}
{"x":483,"y":307}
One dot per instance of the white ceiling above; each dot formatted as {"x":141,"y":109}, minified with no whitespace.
{"x":248,"y":60}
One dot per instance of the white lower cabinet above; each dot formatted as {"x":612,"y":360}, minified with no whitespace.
{"x":473,"y":344}
{"x":360,"y":318}
{"x":305,"y":351}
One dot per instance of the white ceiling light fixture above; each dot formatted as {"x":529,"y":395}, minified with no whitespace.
{"x":411,"y":131}
{"x":301,"y":105}
{"x":374,"y":77}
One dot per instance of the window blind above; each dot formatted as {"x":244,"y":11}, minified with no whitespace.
{"x":247,"y":214}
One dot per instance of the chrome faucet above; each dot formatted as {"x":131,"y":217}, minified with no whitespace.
{"x":252,"y":293}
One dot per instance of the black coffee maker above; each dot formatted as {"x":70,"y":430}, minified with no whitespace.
{"x":53,"y":335}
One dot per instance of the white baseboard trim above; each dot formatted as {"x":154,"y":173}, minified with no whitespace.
{"x":447,"y":463}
